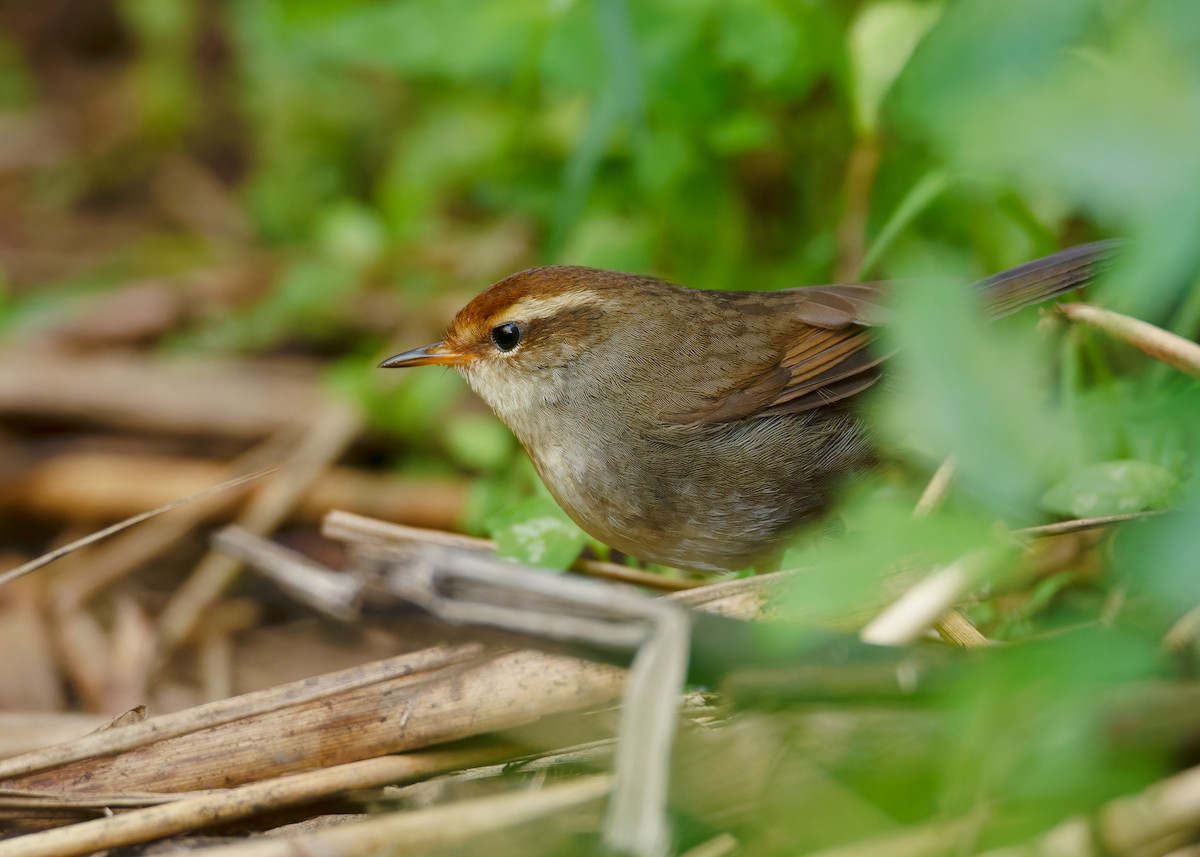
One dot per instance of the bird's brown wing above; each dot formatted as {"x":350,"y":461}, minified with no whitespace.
{"x":824,"y":356}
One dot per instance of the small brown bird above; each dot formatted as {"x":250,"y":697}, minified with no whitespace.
{"x":692,"y":428}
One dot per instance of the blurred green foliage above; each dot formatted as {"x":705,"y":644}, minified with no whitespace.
{"x":422,"y":149}
{"x":633,"y":135}
{"x":536,"y":531}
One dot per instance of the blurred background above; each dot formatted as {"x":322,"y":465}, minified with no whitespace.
{"x":216,"y":217}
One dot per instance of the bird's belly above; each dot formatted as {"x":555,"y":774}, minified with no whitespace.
{"x":700,"y":510}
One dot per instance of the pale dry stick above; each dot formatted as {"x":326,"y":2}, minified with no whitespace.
{"x":741,"y":598}
{"x":400,"y":704}
{"x":47,"y":558}
{"x":1170,"y":348}
{"x":95,"y":484}
{"x":930,"y":840}
{"x":489,"y":693}
{"x":324,"y":443}
{"x":248,"y":801}
{"x":918,"y":608}
{"x":348,"y":527}
{"x":1183,"y":631}
{"x":721,"y":845}
{"x":933,"y":597}
{"x":488,"y":591}
{"x":114,"y":742}
{"x":1079,"y":525}
{"x":956,"y":629}
{"x":19,"y":803}
{"x":106,"y":564}
{"x":423,"y":829}
{"x":637,"y":821}
{"x":591,"y":756}
{"x":310,"y":583}
{"x":857,"y":183}
{"x":953,"y":626}
{"x":239,"y":399}
{"x":337,"y":594}
{"x":936,"y":490}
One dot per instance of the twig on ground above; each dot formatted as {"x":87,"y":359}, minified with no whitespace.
{"x":199,"y":811}
{"x":240,"y":399}
{"x":95,"y":485}
{"x":87,"y":573}
{"x":719,"y":846}
{"x":1181,"y":634}
{"x":936,"y":490}
{"x":857,"y":183}
{"x":930,"y":840}
{"x":489,"y":591}
{"x":349,"y":527}
{"x":107,"y":761}
{"x":919,"y":607}
{"x":953,"y":626}
{"x":1160,"y":344}
{"x":57,"y":553}
{"x":956,"y":629}
{"x":336,"y":595}
{"x":324,"y":443}
{"x":426,"y":828}
{"x":396,"y":705}
{"x":466,"y":586}
{"x":1062,"y":528}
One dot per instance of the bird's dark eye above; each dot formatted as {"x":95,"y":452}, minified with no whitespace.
{"x":507,"y":336}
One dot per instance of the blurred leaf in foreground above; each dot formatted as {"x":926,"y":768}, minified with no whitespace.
{"x":880,"y":41}
{"x":1111,"y":488}
{"x":1028,"y":729}
{"x":1094,"y":100}
{"x":480,"y":442}
{"x":852,"y":575}
{"x":977,"y":390}
{"x":538,"y":532}
{"x":1158,"y":560}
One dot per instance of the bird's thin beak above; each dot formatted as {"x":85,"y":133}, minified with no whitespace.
{"x":438,"y":353}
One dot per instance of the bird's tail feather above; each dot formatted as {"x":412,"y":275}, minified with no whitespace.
{"x":1045,"y":278}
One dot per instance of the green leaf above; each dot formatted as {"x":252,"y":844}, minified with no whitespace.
{"x":538,"y":532}
{"x":351,"y":235}
{"x":980,"y":391}
{"x":457,"y":40}
{"x":1090,"y":100}
{"x":758,"y":36}
{"x":480,"y":442}
{"x":1111,"y":488}
{"x":922,"y":194}
{"x":882,"y":38}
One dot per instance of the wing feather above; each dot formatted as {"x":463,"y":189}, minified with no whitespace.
{"x":828,"y":353}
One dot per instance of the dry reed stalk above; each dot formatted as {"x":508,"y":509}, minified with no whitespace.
{"x":325,"y":441}
{"x":226,"y":805}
